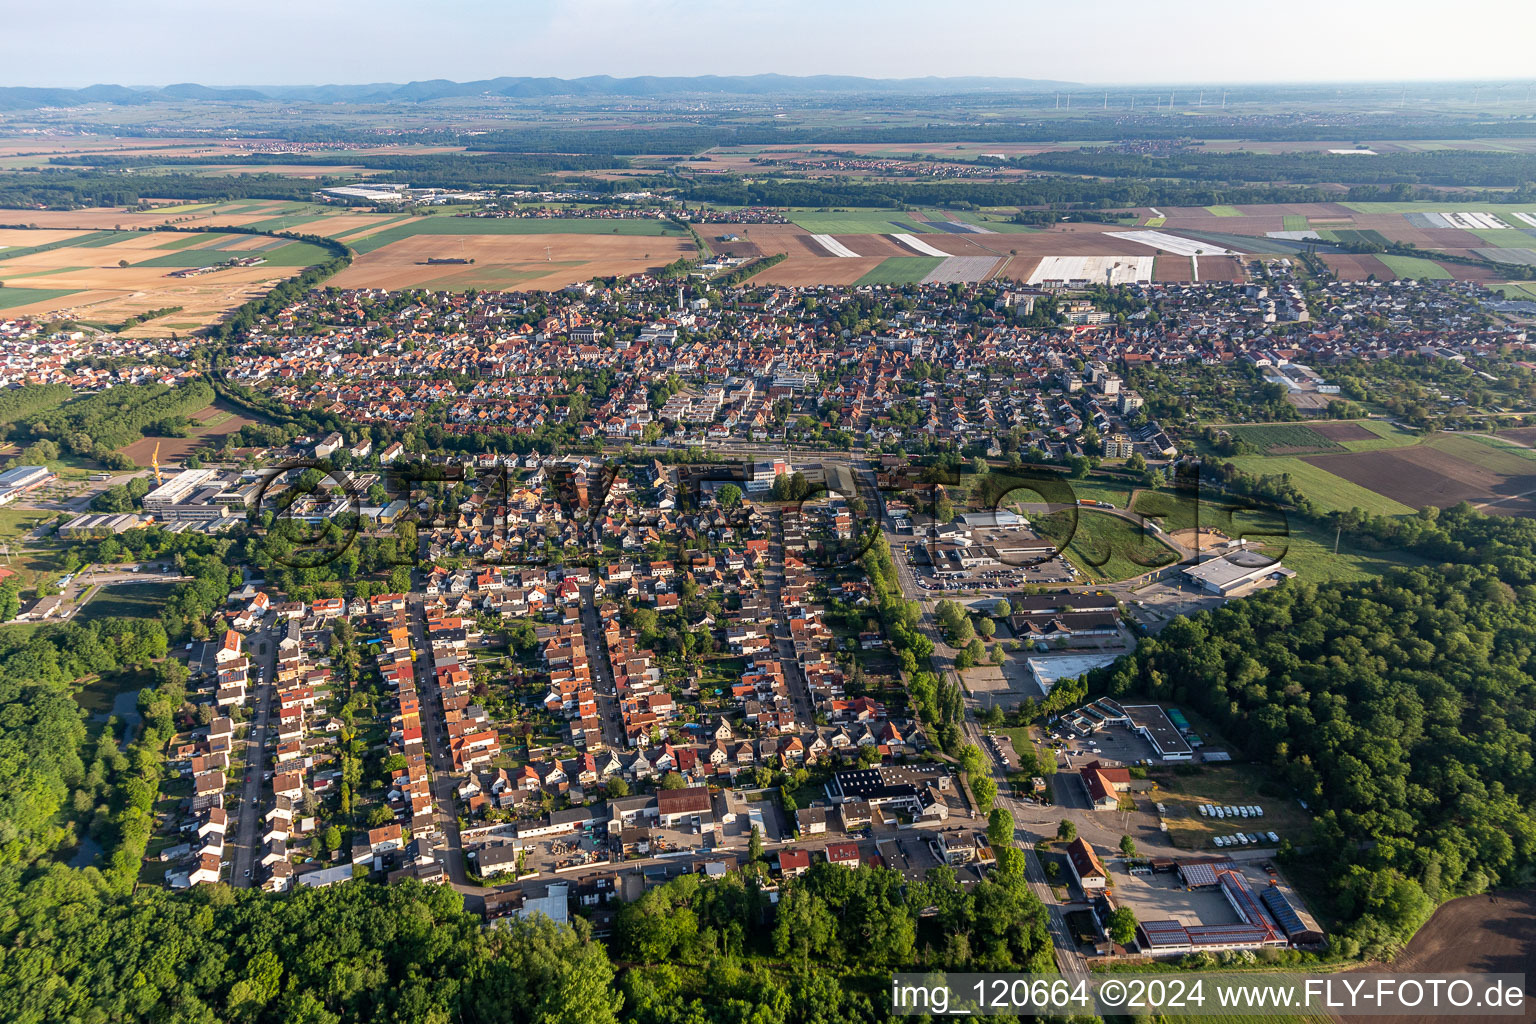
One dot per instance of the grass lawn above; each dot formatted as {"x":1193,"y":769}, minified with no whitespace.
{"x":10,"y":298}
{"x":1329,"y":492}
{"x":17,"y":523}
{"x":127,"y":601}
{"x":1413,"y":266}
{"x":1227,"y":785}
{"x":509,"y":226}
{"x":900,"y":270}
{"x":1105,"y":548}
{"x":1225,"y":211}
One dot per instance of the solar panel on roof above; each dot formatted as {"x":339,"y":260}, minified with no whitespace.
{"x":1283,"y":912}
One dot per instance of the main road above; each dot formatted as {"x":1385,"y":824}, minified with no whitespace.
{"x":439,"y":762}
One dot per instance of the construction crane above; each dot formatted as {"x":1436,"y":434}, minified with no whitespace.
{"x":154,"y":461}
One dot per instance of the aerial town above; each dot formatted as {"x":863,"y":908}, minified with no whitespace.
{"x":757,"y":547}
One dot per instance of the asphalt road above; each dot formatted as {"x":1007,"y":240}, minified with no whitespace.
{"x":248,"y":810}
{"x":439,"y":762}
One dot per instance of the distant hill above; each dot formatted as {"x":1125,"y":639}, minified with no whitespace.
{"x":25,"y":98}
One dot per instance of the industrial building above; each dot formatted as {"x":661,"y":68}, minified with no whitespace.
{"x":19,"y":480}
{"x":1226,"y":574}
{"x":190,"y":496}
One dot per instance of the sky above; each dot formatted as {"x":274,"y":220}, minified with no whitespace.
{"x":316,"y":42}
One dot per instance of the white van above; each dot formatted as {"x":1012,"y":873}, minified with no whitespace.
{"x":1245,"y":812}
{"x":1219,"y":841}
{"x":1273,"y":838}
{"x":1205,"y":811}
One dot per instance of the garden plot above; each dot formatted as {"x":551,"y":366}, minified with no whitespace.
{"x":1522,"y":256}
{"x":834,"y":247}
{"x":917,"y":245}
{"x":957,"y":269}
{"x":1173,"y":243}
{"x":1093,"y":269}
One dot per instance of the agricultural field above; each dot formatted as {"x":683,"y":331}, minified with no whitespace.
{"x":512,"y":260}
{"x":859,"y":222}
{"x":1286,"y":438}
{"x":1225,"y":211}
{"x":1443,"y":471}
{"x":411,"y":227}
{"x":1325,"y":484}
{"x":105,"y":277}
{"x":1414,"y":267}
{"x":901,"y":270}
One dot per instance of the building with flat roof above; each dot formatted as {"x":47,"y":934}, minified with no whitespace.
{"x":190,"y":496}
{"x":1228,"y":573}
{"x":1152,"y":724}
{"x":19,"y":480}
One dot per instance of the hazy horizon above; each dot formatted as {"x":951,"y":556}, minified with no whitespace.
{"x":1123,"y":44}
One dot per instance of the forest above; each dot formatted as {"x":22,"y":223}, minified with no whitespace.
{"x":1453,"y":167}
{"x":1400,"y":709}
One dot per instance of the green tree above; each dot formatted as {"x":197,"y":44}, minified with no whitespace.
{"x":1000,"y":827}
{"x":1122,"y":925}
{"x":1128,"y":846}
{"x":1066,"y":831}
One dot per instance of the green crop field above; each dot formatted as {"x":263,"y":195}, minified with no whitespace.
{"x":10,"y":298}
{"x":1507,"y":238}
{"x":1325,"y":490}
{"x":296,"y":254}
{"x":1155,"y":222}
{"x":1515,"y":291}
{"x":1267,"y":438}
{"x":1490,"y":453}
{"x":1296,"y":222}
{"x":1366,"y":237}
{"x":1225,"y":211}
{"x":1413,"y":266}
{"x":900,"y":270}
{"x":510,"y":226}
